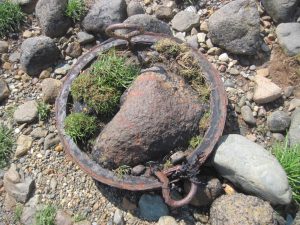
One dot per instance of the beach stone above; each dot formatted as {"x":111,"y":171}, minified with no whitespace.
{"x":4,"y":90}
{"x":239,"y":209}
{"x":247,"y":115}
{"x":288,"y":37}
{"x":118,"y":217}
{"x":63,"y":218}
{"x":26,"y":113}
{"x":177,"y":112}
{"x":278,"y":121}
{"x":104,"y":13}
{"x":235,"y":27}
{"x":51,"y":15}
{"x":281,"y":10}
{"x":294,"y":132}
{"x":152,"y":207}
{"x":37,"y":54}
{"x":50,"y":141}
{"x":38,"y":133}
{"x":3,"y":47}
{"x":134,"y":8}
{"x":50,"y":89}
{"x":149,"y":23}
{"x":138,"y":170}
{"x":266,"y":91}
{"x":252,"y":168}
{"x":24,"y":143}
{"x":167,"y":220}
{"x":185,"y":21}
{"x":85,"y":38}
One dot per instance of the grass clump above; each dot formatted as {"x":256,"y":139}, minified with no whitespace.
{"x":101,"y":88}
{"x":6,"y":144}
{"x":289,"y":158}
{"x":43,"y":110}
{"x":79,"y":126}
{"x":18,"y":213}
{"x":11,"y":17}
{"x":75,"y":10}
{"x":46,"y":216}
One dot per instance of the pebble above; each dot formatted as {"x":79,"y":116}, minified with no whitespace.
{"x":294,"y":103}
{"x":248,"y":115}
{"x":26,"y":113}
{"x":167,"y":220}
{"x":224,"y":57}
{"x":3,"y":47}
{"x":51,"y":140}
{"x":138,"y":170}
{"x":177,"y":157}
{"x":278,"y":121}
{"x":234,"y":71}
{"x":118,"y":217}
{"x":266,"y":91}
{"x":201,"y":37}
{"x":264,"y":72}
{"x":23,"y":145}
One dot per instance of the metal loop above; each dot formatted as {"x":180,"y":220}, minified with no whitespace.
{"x":136,"y":30}
{"x":166,"y":191}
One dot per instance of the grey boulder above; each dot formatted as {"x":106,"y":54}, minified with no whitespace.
{"x":37,"y":54}
{"x":278,"y":121}
{"x":281,"y":10}
{"x":294,"y":132}
{"x":185,"y":21}
{"x":252,"y":168}
{"x":149,"y":23}
{"x":52,"y":17}
{"x":288,"y":35}
{"x":104,"y":13}
{"x":235,"y":27}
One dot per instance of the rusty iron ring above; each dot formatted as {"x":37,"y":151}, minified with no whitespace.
{"x":218,"y":104}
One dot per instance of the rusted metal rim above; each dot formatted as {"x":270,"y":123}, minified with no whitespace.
{"x":218,"y":102}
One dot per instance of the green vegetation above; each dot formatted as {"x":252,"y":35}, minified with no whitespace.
{"x":11,"y":17}
{"x":9,"y":112}
{"x":18,"y":212}
{"x":204,"y":121}
{"x":102,"y":86}
{"x":46,"y":216}
{"x":6,"y":144}
{"x":195,"y":141}
{"x":78,"y":218}
{"x":75,"y":10}
{"x":289,"y":158}
{"x":80,"y":126}
{"x":168,"y":164}
{"x":43,"y":110}
{"x":121,"y":171}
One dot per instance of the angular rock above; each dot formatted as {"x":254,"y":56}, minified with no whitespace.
{"x":4,"y":90}
{"x":294,"y":132}
{"x":104,"y":13}
{"x":29,"y":211}
{"x":26,"y":112}
{"x":185,"y":21}
{"x":266,"y":91}
{"x":3,"y":47}
{"x":294,"y":103}
{"x":278,"y":121}
{"x":50,"y":141}
{"x":247,"y":115}
{"x":167,"y":220}
{"x":38,"y":133}
{"x":23,"y":145}
{"x":251,"y":168}
{"x":74,"y":50}
{"x":63,"y":218}
{"x":241,"y":209}
{"x":281,"y":10}
{"x":235,"y":27}
{"x":20,"y":190}
{"x":27,"y":6}
{"x":134,"y":8}
{"x":152,"y":207}
{"x":85,"y":38}
{"x":140,"y":132}
{"x":38,"y":53}
{"x":118,"y":217}
{"x":208,"y":190}
{"x":288,"y":37}
{"x":149,"y":23}
{"x":164,"y":12}
{"x":51,"y":15}
{"x":50,"y":89}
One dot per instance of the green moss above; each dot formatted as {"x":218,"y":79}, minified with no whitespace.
{"x":6,"y":144}
{"x":121,"y":171}
{"x":46,"y":216}
{"x":80,"y":126}
{"x":75,"y":10}
{"x":102,"y":86}
{"x":11,"y":17}
{"x":169,"y":47}
{"x":195,"y":141}
{"x":204,"y":122}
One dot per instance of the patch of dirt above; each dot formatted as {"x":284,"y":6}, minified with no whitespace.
{"x":284,"y":70}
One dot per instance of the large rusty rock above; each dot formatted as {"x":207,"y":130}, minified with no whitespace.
{"x":159,"y":112}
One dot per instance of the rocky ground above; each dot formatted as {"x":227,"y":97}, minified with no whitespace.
{"x":254,"y":45}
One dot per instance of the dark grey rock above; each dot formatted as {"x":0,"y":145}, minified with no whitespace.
{"x":152,"y":207}
{"x":50,"y":141}
{"x":27,"y":6}
{"x":104,"y":13}
{"x":51,"y":15}
{"x":185,"y":21}
{"x":252,"y":168}
{"x":26,"y":113}
{"x":134,"y":8}
{"x":288,"y":37}
{"x":3,"y":47}
{"x":294,"y":132}
{"x":4,"y":90}
{"x":37,"y":54}
{"x":278,"y":121}
{"x":85,"y":38}
{"x":144,"y":136}
{"x":239,"y":209}
{"x":235,"y":27}
{"x":149,"y":23}
{"x":281,"y":10}
{"x":247,"y":115}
